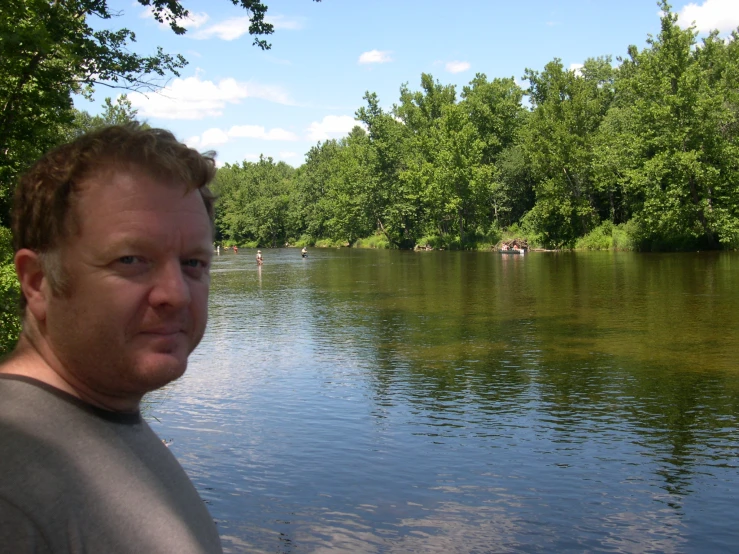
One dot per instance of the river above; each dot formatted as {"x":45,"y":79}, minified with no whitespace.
{"x":390,"y":401}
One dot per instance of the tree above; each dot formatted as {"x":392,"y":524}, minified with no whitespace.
{"x":254,"y":200}
{"x":392,"y":202}
{"x":672,"y":142}
{"x":313,"y":183}
{"x":422,"y":113}
{"x":568,"y":109}
{"x":460,"y":177}
{"x":9,"y":293}
{"x":118,"y":113}
{"x":332,"y":189}
{"x":495,"y":109}
{"x":49,"y":51}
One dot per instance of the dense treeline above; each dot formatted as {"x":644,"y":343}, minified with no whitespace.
{"x":639,"y":154}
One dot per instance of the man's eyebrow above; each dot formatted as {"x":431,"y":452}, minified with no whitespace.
{"x":123,"y":243}
{"x":199,"y":251}
{"x":131,"y":244}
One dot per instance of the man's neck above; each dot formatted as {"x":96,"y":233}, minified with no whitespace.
{"x":35,"y":361}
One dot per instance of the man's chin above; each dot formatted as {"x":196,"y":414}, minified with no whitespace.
{"x":159,"y":369}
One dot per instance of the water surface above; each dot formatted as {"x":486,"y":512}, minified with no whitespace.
{"x":385,"y":401}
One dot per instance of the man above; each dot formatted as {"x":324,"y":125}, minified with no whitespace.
{"x":113,"y":241}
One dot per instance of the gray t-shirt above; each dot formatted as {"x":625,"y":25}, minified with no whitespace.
{"x":78,"y":479}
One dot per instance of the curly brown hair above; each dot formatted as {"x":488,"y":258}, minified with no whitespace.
{"x":43,"y":213}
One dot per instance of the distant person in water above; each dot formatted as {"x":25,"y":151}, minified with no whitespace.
{"x":304,"y":252}
{"x":260,"y":261}
{"x":236,"y":248}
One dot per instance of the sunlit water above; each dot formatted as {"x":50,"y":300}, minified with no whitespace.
{"x":384,"y":401}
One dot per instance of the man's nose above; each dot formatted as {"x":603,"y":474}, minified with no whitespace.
{"x":170,"y":286}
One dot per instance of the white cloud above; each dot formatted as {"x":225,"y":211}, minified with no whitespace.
{"x":231,"y":29}
{"x":710,"y":15}
{"x":216,"y":137}
{"x":248,"y":131}
{"x":332,"y":126}
{"x":258,"y":132}
{"x":281,"y":22}
{"x":195,"y":20}
{"x":193,"y":142}
{"x":280,"y":134}
{"x":576,"y":68}
{"x":213,"y":137}
{"x":192,"y":21}
{"x":457,"y":67}
{"x":375,"y":56}
{"x":193,"y":98}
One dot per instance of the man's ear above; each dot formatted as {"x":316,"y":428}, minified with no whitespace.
{"x":34,"y":284}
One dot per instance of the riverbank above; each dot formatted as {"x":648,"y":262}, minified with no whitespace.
{"x":624,"y":237}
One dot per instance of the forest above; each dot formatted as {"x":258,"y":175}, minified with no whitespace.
{"x":640,"y":152}
{"x":636,"y":154}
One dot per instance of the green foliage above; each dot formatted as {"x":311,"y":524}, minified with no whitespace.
{"x":608,"y":236}
{"x":374,"y":241}
{"x":623,"y":236}
{"x":639,"y":156}
{"x":330,"y":243}
{"x":600,"y":238}
{"x":523,"y":231}
{"x":675,"y":134}
{"x":10,"y":322}
{"x":304,"y":240}
{"x":49,"y":51}
{"x":559,"y":140}
{"x":392,"y":198}
{"x":253,"y":202}
{"x":118,"y":113}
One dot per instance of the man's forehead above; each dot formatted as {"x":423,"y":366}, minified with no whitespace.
{"x":101,"y":198}
{"x":103,"y":177}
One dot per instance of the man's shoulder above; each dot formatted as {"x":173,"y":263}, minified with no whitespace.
{"x":44,"y":429}
{"x":29,"y":398}
{"x":20,"y":395}
{"x":83,"y":474}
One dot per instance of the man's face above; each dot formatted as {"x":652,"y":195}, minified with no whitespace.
{"x":139,"y":275}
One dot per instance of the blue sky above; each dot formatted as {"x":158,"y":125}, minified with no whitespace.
{"x":242,"y":102}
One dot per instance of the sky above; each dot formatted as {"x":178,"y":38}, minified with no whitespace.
{"x":241,"y":101}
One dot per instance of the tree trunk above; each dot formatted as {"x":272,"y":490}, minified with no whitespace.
{"x":461,"y":226}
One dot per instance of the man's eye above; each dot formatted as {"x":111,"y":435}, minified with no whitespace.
{"x":127,"y":260}
{"x":192,"y":262}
